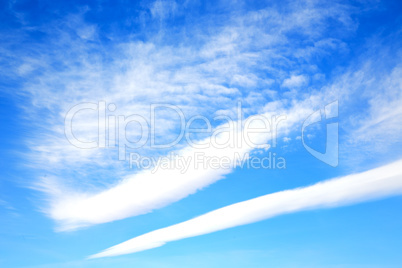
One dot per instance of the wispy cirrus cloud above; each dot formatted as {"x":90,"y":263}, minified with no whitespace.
{"x":215,"y":65}
{"x":157,"y":187}
{"x":242,"y":58}
{"x":377,"y":183}
{"x":295,"y":81}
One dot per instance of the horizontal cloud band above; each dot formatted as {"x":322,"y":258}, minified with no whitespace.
{"x":373,"y":184}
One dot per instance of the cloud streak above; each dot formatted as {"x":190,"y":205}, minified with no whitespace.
{"x":146,"y":191}
{"x":157,"y":187}
{"x":377,"y":183}
{"x":244,"y":58}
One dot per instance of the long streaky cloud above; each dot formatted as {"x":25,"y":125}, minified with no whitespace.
{"x":152,"y":189}
{"x":377,"y":183}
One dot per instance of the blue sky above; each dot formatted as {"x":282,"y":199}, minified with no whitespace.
{"x":90,"y":91}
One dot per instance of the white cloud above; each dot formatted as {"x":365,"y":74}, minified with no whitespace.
{"x":145,"y":191}
{"x":295,"y":81}
{"x":212,"y":75}
{"x":148,"y":190}
{"x":163,"y":9}
{"x":383,"y":120}
{"x":218,"y":67}
{"x":373,"y":184}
